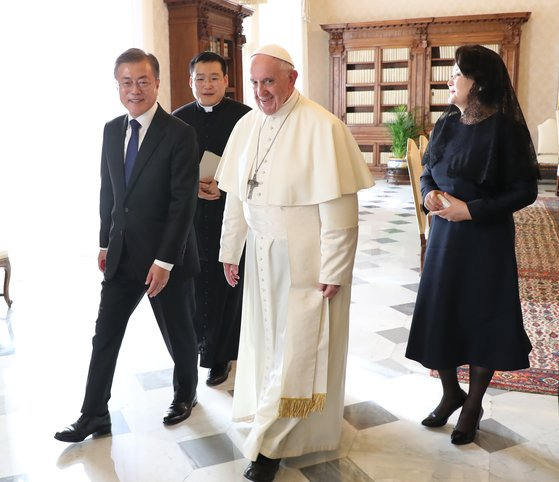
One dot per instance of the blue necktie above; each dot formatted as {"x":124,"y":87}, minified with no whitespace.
{"x":132,"y":149}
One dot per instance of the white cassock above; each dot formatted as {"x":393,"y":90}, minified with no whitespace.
{"x":300,"y":229}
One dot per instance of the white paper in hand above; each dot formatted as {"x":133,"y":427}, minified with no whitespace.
{"x":444,"y":200}
{"x":208,"y":164}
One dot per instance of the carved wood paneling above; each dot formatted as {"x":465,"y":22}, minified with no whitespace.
{"x":193,"y":25}
{"x":420,"y":35}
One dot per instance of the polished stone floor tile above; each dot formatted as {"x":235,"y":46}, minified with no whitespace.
{"x":374,"y":252}
{"x":406,"y":308}
{"x":119,"y":425}
{"x":413,"y":287}
{"x":384,"y":240}
{"x":396,"y":335}
{"x":358,"y":281}
{"x":212,"y":450}
{"x":7,"y":405}
{"x":45,"y":350}
{"x":367,"y":414}
{"x":495,"y":391}
{"x":339,"y":470}
{"x":156,"y":379}
{"x":494,"y":436}
{"x":388,"y":368}
{"x":7,"y":346}
{"x":399,"y":222}
{"x":365,"y":265}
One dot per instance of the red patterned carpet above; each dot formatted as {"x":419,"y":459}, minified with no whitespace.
{"x":537,"y":251}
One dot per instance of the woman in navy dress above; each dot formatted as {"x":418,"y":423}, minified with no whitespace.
{"x":480,"y":167}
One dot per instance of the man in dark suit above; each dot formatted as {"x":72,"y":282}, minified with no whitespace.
{"x":149,"y":185}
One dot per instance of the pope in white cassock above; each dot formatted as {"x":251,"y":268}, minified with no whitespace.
{"x":291,"y":171}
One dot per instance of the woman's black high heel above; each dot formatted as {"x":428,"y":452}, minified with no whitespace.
{"x":434,"y":420}
{"x":462,"y":438}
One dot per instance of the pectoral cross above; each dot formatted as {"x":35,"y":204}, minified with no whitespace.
{"x":252,"y":183}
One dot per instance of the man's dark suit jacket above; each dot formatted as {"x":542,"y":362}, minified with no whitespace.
{"x":153,"y":215}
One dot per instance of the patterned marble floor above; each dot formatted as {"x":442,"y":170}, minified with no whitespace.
{"x":44,"y":353}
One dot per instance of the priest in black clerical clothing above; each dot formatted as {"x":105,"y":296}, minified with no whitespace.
{"x":218,"y":306}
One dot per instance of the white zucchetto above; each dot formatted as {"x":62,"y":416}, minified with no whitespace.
{"x":275,"y":51}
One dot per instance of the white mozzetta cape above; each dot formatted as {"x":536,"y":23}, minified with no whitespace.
{"x":320,"y":158}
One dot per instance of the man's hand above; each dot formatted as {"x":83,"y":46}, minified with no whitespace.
{"x":328,"y":291}
{"x":208,"y":190}
{"x":157,"y":279}
{"x":231,"y":273}
{"x":102,"y":260}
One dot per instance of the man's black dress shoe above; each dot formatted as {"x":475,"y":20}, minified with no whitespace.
{"x":86,"y":425}
{"x":218,"y":374}
{"x":179,"y":411}
{"x":438,"y":420}
{"x":262,"y":470}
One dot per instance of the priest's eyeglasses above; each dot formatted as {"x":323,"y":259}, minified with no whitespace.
{"x":129,"y":84}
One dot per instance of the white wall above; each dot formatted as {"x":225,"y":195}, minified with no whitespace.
{"x":276,"y":22}
{"x":59,"y":90}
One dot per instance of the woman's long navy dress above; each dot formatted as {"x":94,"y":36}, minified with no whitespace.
{"x":468,"y":308}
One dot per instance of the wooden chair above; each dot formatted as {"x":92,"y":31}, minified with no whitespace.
{"x":414,"y":156}
{"x":557,"y":122}
{"x":423,"y":141}
{"x":548,"y":148}
{"x":5,"y":263}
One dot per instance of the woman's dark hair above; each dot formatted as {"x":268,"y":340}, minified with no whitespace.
{"x":491,"y":92}
{"x":492,"y":85}
{"x":486,"y":69}
{"x":133,"y":55}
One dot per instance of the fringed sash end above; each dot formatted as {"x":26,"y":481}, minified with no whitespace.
{"x":301,"y":407}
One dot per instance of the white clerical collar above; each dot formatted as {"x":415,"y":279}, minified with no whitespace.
{"x":288,"y":105}
{"x":208,"y":108}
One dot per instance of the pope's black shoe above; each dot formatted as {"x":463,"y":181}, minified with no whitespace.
{"x":86,"y":425}
{"x":262,"y":470}
{"x":218,"y":374}
{"x":179,"y":411}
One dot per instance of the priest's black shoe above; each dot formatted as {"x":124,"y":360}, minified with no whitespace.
{"x":86,"y":425}
{"x":179,"y":411}
{"x":438,"y":420}
{"x":263,"y":469}
{"x":218,"y":374}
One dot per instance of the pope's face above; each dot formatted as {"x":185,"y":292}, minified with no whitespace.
{"x":272,"y":82}
{"x":208,"y":83}
{"x":137,"y":87}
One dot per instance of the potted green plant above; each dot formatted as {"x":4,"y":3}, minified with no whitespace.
{"x":401,"y":128}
